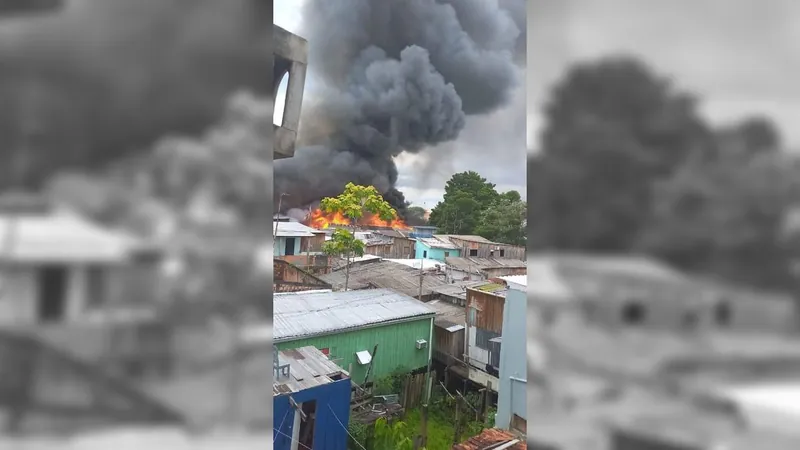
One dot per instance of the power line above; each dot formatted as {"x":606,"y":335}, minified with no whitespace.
{"x":281,"y":426}
{"x":345,"y":428}
{"x":292,"y":439}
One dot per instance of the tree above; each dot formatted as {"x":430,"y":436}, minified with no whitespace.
{"x":356,"y":200}
{"x":751,"y":136}
{"x":613,"y":128}
{"x":504,"y":221}
{"x":353,"y":203}
{"x":725,"y":216}
{"x":466,"y":196}
{"x":344,"y":243}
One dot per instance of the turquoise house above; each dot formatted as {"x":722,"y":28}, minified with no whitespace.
{"x":436,"y":248}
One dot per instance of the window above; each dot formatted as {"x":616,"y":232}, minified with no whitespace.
{"x":519,"y":424}
{"x":633,"y":313}
{"x":473,"y":252}
{"x":446,"y":254}
{"x":95,"y":286}
{"x":424,"y":253}
{"x":53,"y":283}
{"x":502,"y":253}
{"x":723,"y":313}
{"x":482,"y":338}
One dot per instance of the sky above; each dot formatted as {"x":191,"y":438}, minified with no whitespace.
{"x":494,"y":145}
{"x":740,"y":57}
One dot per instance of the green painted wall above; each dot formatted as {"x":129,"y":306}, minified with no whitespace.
{"x":396,"y":347}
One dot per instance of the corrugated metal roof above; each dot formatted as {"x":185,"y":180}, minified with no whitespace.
{"x":458,"y":290}
{"x":294,"y":229}
{"x":548,"y":284}
{"x":308,"y":368}
{"x":414,"y":263}
{"x":387,"y":275}
{"x":521,"y":280}
{"x":64,"y":236}
{"x":466,"y":237}
{"x":303,"y":315}
{"x":394,"y":233}
{"x":447,"y":314}
{"x":467,"y":263}
{"x":436,"y":242}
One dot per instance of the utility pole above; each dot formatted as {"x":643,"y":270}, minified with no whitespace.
{"x":277,"y":221}
{"x":421,"y":264}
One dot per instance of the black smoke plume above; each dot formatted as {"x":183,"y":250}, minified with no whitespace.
{"x":104,"y":79}
{"x":397,"y":76}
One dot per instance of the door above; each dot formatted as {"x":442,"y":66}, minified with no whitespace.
{"x":52,"y":302}
{"x":289,"y":250}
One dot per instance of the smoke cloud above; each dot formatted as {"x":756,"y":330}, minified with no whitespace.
{"x":104,"y":79}
{"x":398,"y":76}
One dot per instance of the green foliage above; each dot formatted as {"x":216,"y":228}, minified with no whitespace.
{"x":628,"y":165}
{"x":390,"y":384}
{"x":355,"y":200}
{"x":612,"y":128}
{"x":466,"y":195}
{"x":343,"y":242}
{"x":471,"y":205}
{"x":504,"y":220}
{"x":717,"y":213}
{"x":359,"y":434}
{"x":392,"y":436}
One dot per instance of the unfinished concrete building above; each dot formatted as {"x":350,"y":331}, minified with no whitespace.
{"x":291,"y":59}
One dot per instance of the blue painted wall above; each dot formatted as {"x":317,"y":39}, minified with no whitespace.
{"x":333,"y":406}
{"x":511,"y":396}
{"x":279,"y":249}
{"x":433,"y":253}
{"x":423,"y":232}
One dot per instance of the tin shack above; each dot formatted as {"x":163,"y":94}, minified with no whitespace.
{"x":377,"y":330}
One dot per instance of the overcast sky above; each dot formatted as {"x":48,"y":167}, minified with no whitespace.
{"x":493,"y":146}
{"x":741,"y":57}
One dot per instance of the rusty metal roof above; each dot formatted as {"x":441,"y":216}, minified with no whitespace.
{"x":465,"y":237}
{"x":491,"y":438}
{"x":467,"y":263}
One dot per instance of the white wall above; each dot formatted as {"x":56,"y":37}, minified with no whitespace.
{"x":513,"y":365}
{"x":460,"y":275}
{"x":20,"y":296}
{"x":17,"y":298}
{"x":478,"y":357}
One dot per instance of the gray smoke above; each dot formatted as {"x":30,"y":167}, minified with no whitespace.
{"x":398,"y":76}
{"x":103,"y":79}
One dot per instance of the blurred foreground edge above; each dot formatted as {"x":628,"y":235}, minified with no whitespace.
{"x":26,"y":7}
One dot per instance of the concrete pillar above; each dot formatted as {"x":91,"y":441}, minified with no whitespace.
{"x":290,"y":56}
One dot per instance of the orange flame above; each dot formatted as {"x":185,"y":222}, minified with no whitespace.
{"x":321,"y":220}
